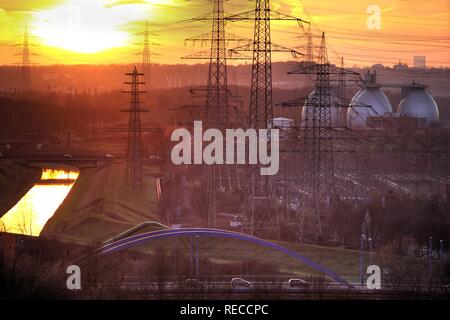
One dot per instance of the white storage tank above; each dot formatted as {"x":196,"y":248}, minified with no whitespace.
{"x":308,"y":109}
{"x":282,"y":123}
{"x":419,"y":103}
{"x":359,"y":111}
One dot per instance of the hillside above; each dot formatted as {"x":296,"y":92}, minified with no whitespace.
{"x":100,"y":205}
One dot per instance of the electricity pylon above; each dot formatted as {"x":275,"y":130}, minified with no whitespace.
{"x":317,"y":163}
{"x":341,"y":93}
{"x":317,"y":179}
{"x":261,"y":218}
{"x":25,"y":67}
{"x":260,"y":117}
{"x":146,"y":66}
{"x":324,"y":188}
{"x":134,"y":151}
{"x":217,"y":108}
{"x":309,"y":55}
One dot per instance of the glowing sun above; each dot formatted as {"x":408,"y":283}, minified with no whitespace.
{"x":87,"y":26}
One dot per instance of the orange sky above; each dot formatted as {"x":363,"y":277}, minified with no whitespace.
{"x":107,"y":31}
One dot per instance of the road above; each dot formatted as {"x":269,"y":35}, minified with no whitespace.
{"x":90,"y":158}
{"x":270,"y":290}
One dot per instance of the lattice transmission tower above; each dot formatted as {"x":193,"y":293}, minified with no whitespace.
{"x":261,"y":106}
{"x":262,"y":218}
{"x":321,"y":117}
{"x":324,"y":188}
{"x":218,"y":109}
{"x":309,"y":46}
{"x":316,"y":161}
{"x":313,"y":185}
{"x":341,"y":93}
{"x":309,"y":56}
{"x":313,"y":145}
{"x":25,"y":67}
{"x":261,"y":103}
{"x":217,"y":95}
{"x":146,"y":66}
{"x":134,"y":150}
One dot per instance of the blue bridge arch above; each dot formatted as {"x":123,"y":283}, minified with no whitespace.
{"x":134,"y":240}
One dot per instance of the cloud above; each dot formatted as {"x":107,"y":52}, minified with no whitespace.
{"x":29,"y":5}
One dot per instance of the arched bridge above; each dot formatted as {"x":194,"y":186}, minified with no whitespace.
{"x":131,"y":241}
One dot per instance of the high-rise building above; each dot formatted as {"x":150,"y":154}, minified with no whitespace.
{"x":420,"y":62}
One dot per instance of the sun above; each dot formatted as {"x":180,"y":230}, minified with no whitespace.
{"x":87,"y":26}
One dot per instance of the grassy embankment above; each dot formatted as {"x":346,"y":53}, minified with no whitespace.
{"x":101,"y":204}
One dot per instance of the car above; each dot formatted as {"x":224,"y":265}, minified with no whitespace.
{"x":298,"y":283}
{"x":193,"y":283}
{"x":109,"y":156}
{"x":67,"y":156}
{"x":240,"y":283}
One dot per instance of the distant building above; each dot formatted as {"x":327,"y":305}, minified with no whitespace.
{"x":378,"y":66}
{"x":420,"y":62}
{"x":395,"y":123}
{"x":400,"y":66}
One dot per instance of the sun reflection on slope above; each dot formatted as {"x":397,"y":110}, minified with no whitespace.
{"x":33,"y":211}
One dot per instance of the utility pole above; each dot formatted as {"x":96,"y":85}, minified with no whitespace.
{"x":309,"y":55}
{"x":318,"y":151}
{"x":341,"y":94}
{"x":217,"y":95}
{"x":260,"y":117}
{"x":146,"y":66}
{"x":260,"y":218}
{"x":197,"y":257}
{"x":430,"y":262}
{"x":361,"y":259}
{"x":217,"y":89}
{"x":309,"y":46}
{"x":322,"y":144}
{"x":365,"y":237}
{"x":25,"y":68}
{"x":134,"y":151}
{"x":261,"y":105}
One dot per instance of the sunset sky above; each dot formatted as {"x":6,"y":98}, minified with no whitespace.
{"x":107,"y":31}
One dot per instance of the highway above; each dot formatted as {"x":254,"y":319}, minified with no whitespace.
{"x":73,"y":158}
{"x":76,"y":161}
{"x":270,"y":290}
{"x":56,"y":157}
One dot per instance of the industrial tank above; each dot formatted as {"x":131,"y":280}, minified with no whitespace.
{"x":308,"y":109}
{"x":359,"y":109}
{"x":284,"y":125}
{"x":419,"y":103}
{"x":282,"y":122}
